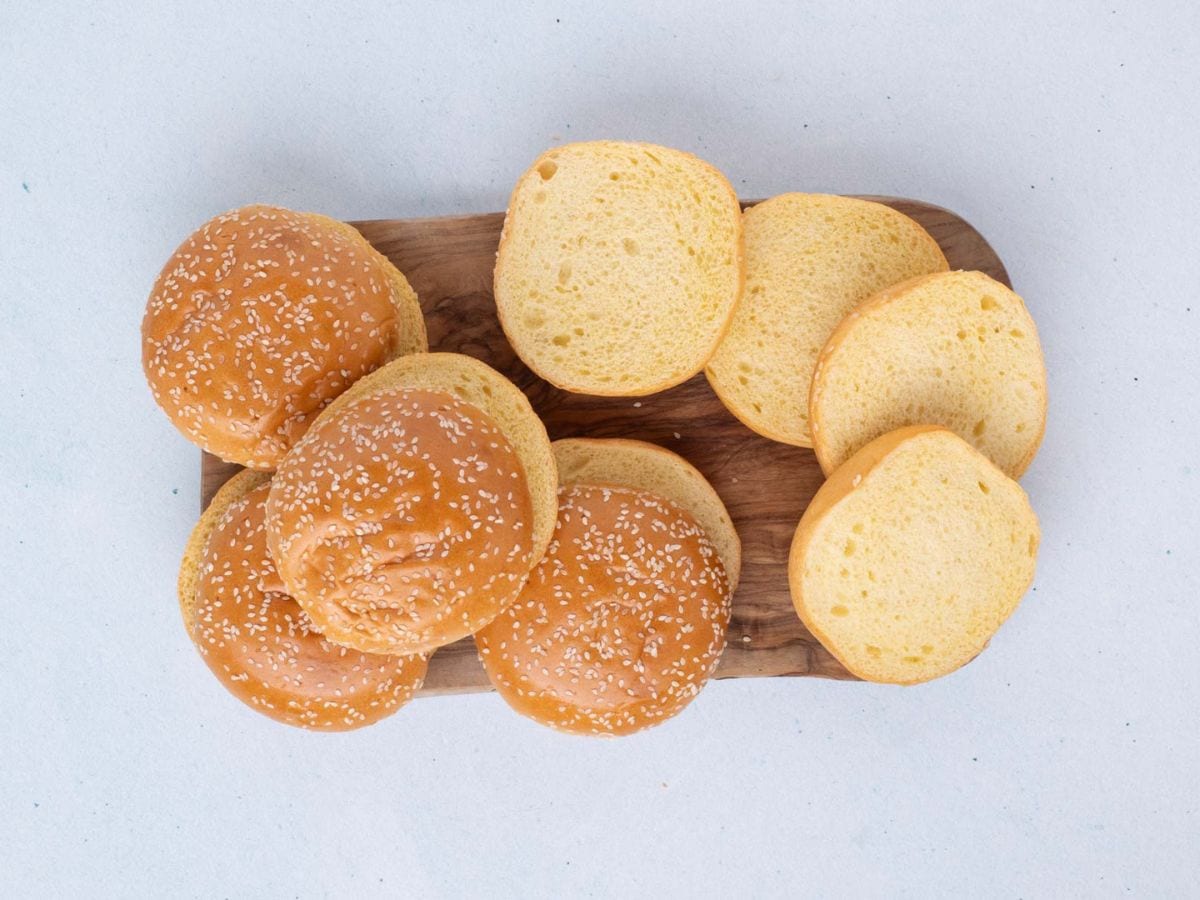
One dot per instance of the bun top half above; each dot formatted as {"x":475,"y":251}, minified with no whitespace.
{"x":260,"y":318}
{"x":622,"y":622}
{"x":259,"y":643}
{"x":412,"y":511}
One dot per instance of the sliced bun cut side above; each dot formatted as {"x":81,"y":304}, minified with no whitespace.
{"x":656,"y":470}
{"x":912,"y":555}
{"x":956,"y":349}
{"x":619,"y":266}
{"x":810,"y":259}
{"x":260,"y":318}
{"x":257,"y":640}
{"x":403,"y":520}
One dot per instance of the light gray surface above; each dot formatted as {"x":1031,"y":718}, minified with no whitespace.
{"x":1063,"y":762}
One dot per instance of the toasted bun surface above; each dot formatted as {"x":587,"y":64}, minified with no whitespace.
{"x":912,"y":555}
{"x":263,"y":316}
{"x":810,"y":259}
{"x":956,"y":349}
{"x":402,"y":521}
{"x":623,"y":621}
{"x":259,"y":642}
{"x":619,"y":266}
{"x":647,"y":467}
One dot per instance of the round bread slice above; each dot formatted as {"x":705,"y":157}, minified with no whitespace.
{"x":619,"y":266}
{"x":260,"y":318}
{"x":912,"y":555}
{"x":810,"y":259}
{"x":623,"y":621}
{"x":648,"y":467}
{"x":956,"y":349}
{"x":257,"y":640}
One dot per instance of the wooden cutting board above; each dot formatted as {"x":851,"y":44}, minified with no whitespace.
{"x":765,"y":485}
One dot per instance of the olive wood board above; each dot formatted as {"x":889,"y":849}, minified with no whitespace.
{"x":765,"y":485}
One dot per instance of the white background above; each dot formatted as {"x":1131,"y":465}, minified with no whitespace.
{"x":1065,"y":761}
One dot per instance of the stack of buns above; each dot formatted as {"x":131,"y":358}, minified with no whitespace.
{"x":397,"y":500}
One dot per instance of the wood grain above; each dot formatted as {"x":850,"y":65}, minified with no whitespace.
{"x":766,"y":485}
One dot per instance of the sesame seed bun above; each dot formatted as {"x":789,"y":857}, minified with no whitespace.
{"x":479,"y":384}
{"x":649,"y":467}
{"x":407,"y":517}
{"x":256,"y":639}
{"x":623,"y":621}
{"x":260,"y":318}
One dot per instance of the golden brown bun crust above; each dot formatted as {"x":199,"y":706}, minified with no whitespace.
{"x":483,"y":387}
{"x":257,"y":640}
{"x":649,"y":467}
{"x":621,"y":623}
{"x":402,"y":521}
{"x":260,"y":318}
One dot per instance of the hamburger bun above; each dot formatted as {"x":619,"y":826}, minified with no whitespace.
{"x":810,"y":259}
{"x":260,"y":318}
{"x":256,"y":639}
{"x":478,"y":384}
{"x":408,"y":516}
{"x":619,"y":266}
{"x":623,"y":620}
{"x":912,"y":555}
{"x":649,"y":467}
{"x":956,"y":349}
